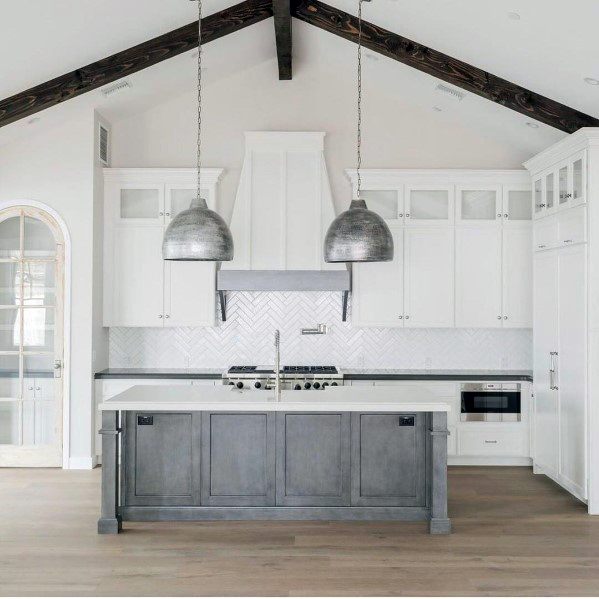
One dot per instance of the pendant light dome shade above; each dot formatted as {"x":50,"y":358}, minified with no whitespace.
{"x":198,"y":233}
{"x":358,"y":235}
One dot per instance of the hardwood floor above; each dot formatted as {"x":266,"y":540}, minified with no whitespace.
{"x":514,"y":534}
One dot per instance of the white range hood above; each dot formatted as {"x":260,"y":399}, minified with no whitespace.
{"x":282,"y":211}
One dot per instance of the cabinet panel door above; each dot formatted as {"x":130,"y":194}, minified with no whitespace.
{"x":162,"y":458}
{"x":546,"y":232}
{"x":238,"y":459}
{"x":388,"y":459}
{"x":478,"y":277}
{"x":571,"y":367}
{"x":137,"y":277}
{"x":189,"y":294}
{"x":313,"y":459}
{"x":572,"y":226}
{"x":517,"y":277}
{"x":429,"y":277}
{"x":377,"y":297}
{"x":545,"y":340}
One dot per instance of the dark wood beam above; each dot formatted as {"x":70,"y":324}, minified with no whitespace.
{"x":443,"y":67}
{"x":282,"y":19}
{"x":132,"y":60}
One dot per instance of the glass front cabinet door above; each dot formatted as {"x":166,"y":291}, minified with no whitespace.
{"x":139,"y":204}
{"x":429,"y":205}
{"x":479,"y":205}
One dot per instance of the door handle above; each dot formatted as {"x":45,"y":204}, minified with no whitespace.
{"x":57,"y":369}
{"x":552,"y":371}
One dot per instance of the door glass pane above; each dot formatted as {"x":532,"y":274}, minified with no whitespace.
{"x":9,"y":283}
{"x":10,"y":332}
{"x":140,"y":203}
{"x":538,"y":196}
{"x":38,"y":240}
{"x":9,"y":423}
{"x":382,"y":201}
{"x":519,"y":207}
{"x":9,"y":377}
{"x":563,"y":184}
{"x":429,"y":204}
{"x":10,"y":237}
{"x":479,"y":205}
{"x":38,"y":329}
{"x":41,"y":369}
{"x":549,"y":191}
{"x":39,"y":284}
{"x":577,"y":178}
{"x":181,"y":200}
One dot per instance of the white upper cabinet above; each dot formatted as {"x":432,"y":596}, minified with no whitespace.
{"x":463,"y":233}
{"x":478,"y":205}
{"x":429,"y":205}
{"x":478,"y":277}
{"x":377,"y":296}
{"x":284,"y":205}
{"x":140,"y":288}
{"x":429,"y":277}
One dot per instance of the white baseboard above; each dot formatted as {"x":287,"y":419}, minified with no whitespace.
{"x":455,"y":460}
{"x":83,"y":463}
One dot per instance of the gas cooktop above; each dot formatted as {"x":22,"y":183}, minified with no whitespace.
{"x":292,"y":370}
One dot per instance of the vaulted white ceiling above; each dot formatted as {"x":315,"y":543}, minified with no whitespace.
{"x":550,"y":49}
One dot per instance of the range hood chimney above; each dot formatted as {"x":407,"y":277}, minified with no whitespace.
{"x":282,"y":211}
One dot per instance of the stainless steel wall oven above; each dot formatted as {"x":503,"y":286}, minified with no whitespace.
{"x":491,"y":402}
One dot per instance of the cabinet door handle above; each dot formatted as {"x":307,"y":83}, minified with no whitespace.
{"x":542,"y":205}
{"x":541,"y":246}
{"x":568,"y":241}
{"x":552,"y":384}
{"x":489,"y":441}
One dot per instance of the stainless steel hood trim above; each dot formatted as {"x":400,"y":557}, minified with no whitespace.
{"x":283,"y":280}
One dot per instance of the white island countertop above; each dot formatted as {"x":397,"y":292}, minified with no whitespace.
{"x":230,"y":399}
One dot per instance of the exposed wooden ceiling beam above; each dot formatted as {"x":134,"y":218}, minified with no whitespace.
{"x":132,"y":60}
{"x":282,"y":19}
{"x":443,"y":67}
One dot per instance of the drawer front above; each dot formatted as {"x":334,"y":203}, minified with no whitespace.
{"x":492,"y":442}
{"x":440,"y":389}
{"x":572,"y":226}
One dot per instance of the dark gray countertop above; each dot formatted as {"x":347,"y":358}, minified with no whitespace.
{"x":351,"y":374}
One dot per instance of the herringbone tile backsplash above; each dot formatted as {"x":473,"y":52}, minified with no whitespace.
{"x":247,"y":338}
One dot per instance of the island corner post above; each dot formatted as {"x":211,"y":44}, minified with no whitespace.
{"x":417,"y":491}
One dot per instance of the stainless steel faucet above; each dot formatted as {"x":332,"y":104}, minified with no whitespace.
{"x":277,"y":365}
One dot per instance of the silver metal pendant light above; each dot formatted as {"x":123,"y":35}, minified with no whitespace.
{"x":358,"y":234}
{"x":198,"y":233}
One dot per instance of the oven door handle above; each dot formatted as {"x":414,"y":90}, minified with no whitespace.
{"x":552,"y":371}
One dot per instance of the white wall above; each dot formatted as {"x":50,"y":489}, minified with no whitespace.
{"x":56,"y":167}
{"x":397,"y":132}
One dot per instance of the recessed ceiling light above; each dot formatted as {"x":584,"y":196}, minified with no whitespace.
{"x":591,"y":81}
{"x":34,"y":120}
{"x":437,"y":109}
{"x":514,"y":16}
{"x":532,"y":125}
{"x":371,"y":56}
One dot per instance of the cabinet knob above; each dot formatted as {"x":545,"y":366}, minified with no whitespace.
{"x":505,"y":318}
{"x":159,"y":315}
{"x":506,"y":215}
{"x":161,"y":214}
{"x":167,"y":214}
{"x":407,"y":317}
{"x":541,"y":246}
{"x":400,"y":215}
{"x":30,"y":388}
{"x":542,"y":205}
{"x":499,"y":216}
{"x":167,"y":316}
{"x":38,"y":388}
{"x":407,"y":215}
{"x":499,"y":318}
{"x":400,"y":317}
{"x":568,"y":240}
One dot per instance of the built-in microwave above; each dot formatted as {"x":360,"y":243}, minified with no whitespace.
{"x":491,"y":402}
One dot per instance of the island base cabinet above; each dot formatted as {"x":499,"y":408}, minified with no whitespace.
{"x":162,"y":458}
{"x":313,"y":459}
{"x":238,"y":459}
{"x":388,"y":460}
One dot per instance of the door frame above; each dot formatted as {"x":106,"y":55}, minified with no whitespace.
{"x":66,"y":370}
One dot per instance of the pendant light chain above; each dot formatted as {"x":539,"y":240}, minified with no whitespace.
{"x":359,"y":132}
{"x":199,"y":155}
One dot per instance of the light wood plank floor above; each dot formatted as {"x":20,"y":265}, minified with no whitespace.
{"x":514,"y":534}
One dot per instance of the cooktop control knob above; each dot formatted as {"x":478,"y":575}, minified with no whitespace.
{"x":333,"y":384}
{"x":317,"y":385}
{"x":231,"y":383}
{"x":240,"y":385}
{"x":325,"y":385}
{"x":258,"y":385}
{"x":307,"y":385}
{"x":297,"y":387}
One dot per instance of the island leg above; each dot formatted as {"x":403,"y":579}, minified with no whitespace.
{"x":110,"y":521}
{"x":439,"y":523}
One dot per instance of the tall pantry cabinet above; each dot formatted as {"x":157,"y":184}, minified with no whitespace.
{"x":566,"y":309}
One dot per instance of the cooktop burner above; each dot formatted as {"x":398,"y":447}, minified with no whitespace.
{"x":309,"y":369}
{"x":251,"y":369}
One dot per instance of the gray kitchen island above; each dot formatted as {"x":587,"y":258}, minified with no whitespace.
{"x":219,"y":453}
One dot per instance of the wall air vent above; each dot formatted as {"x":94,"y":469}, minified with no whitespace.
{"x":450,"y":91}
{"x":116,"y":88}
{"x":103,"y":145}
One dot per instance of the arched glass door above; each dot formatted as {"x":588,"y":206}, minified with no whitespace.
{"x":31,"y":338}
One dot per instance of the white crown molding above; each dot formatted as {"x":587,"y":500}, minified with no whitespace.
{"x":210,"y":176}
{"x":587,"y":137}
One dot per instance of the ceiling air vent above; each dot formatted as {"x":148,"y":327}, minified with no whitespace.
{"x":450,"y":91}
{"x":103,"y":149}
{"x":116,"y":88}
